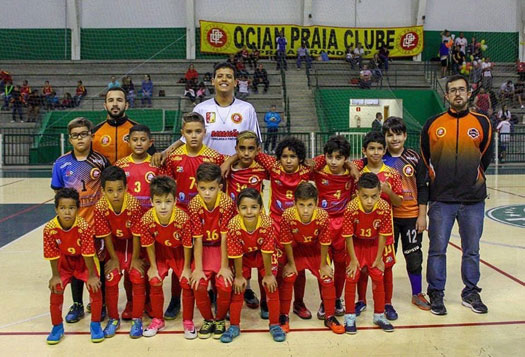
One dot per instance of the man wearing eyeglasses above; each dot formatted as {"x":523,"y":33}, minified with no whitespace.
{"x":456,"y":146}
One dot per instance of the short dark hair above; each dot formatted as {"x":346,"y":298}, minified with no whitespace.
{"x":305,"y":190}
{"x":141,"y":128}
{"x":67,"y":192}
{"x":224,"y":65}
{"x":78,"y":123}
{"x":247,"y":134}
{"x":378,"y":114}
{"x":113,"y":173}
{"x":373,"y":137}
{"x":337,"y":143}
{"x":252,"y":193}
{"x":208,"y":172}
{"x":193,"y":117}
{"x":395,"y":125}
{"x":454,"y":78}
{"x":162,"y":185}
{"x":369,"y":180}
{"x":293,"y":144}
{"x":115,"y":89}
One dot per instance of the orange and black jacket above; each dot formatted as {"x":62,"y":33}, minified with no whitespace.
{"x":111,"y":138}
{"x":457,"y":149}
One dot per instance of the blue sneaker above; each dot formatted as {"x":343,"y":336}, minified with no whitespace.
{"x":56,"y":334}
{"x":230,"y":334}
{"x":75,"y":314}
{"x":390,"y":312}
{"x":97,"y":335}
{"x":264,"y":311}
{"x":381,"y":321}
{"x":350,"y":327}
{"x":277,"y":333}
{"x":360,"y":306}
{"x":173,"y":309}
{"x":136,"y":328}
{"x":111,"y":328}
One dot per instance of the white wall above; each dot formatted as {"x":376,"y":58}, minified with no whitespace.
{"x":367,"y":113}
{"x":32,"y":14}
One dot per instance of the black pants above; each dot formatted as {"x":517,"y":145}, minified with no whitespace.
{"x":411,"y":241}
{"x":271,"y":138}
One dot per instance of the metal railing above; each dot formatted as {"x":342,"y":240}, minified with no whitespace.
{"x":286,"y":100}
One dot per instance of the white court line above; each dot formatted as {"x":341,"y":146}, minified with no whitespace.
{"x":19,"y":238}
{"x":25,"y":320}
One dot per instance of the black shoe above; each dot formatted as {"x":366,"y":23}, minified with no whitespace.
{"x":437,"y":307}
{"x":473,"y":300}
{"x":173,"y":309}
{"x":251,"y":300}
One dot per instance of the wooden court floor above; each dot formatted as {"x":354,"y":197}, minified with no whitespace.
{"x":24,"y":297}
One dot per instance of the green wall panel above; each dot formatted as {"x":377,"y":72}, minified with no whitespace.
{"x":35,"y":44}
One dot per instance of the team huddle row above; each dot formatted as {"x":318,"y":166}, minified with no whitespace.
{"x":201,"y":215}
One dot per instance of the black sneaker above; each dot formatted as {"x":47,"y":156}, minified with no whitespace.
{"x":251,"y":299}
{"x":173,"y":309}
{"x":207,"y":329}
{"x":437,"y":307}
{"x":473,"y":300}
{"x":339,"y":308}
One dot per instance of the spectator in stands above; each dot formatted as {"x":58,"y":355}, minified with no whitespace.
{"x":67,"y":101}
{"x":471,"y":47}
{"x":260,"y":76}
{"x":506,"y":92}
{"x":521,"y":69}
{"x":377,"y":124}
{"x":244,"y":85}
{"x":482,"y":101}
{"x":303,"y":54}
{"x":241,"y":68}
{"x":475,"y":74}
{"x":349,"y":56}
{"x":272,"y":120}
{"x":365,"y":78}
{"x":54,"y":101}
{"x":7,"y":93}
{"x":504,"y":129}
{"x":462,"y":42}
{"x":504,"y":113}
{"x":323,"y":56}
{"x":254,"y":56}
{"x":519,"y":91}
{"x":446,"y":36}
{"x":458,"y":58}
{"x":35,"y":102}
{"x":207,"y":82}
{"x":25,"y":90}
{"x":47,"y":91}
{"x":280,"y":55}
{"x":80,"y":93}
{"x":359,"y":52}
{"x":244,"y":54}
{"x":191,"y":76}
{"x":486,"y":72}
{"x":201,"y":92}
{"x":189,"y":93}
{"x":114,"y":83}
{"x":384,"y":56}
{"x":16,"y":101}
{"x":146,"y":90}
{"x":129,"y":87}
{"x":232,"y":59}
{"x":375,"y":66}
{"x":443,"y":57}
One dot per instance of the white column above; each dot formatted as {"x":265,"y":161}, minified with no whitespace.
{"x":421,"y":9}
{"x":521,"y":29}
{"x":190,"y":29}
{"x":307,"y":13}
{"x":73,"y":22}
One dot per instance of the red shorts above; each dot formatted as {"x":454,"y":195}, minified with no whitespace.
{"x":74,"y":266}
{"x":366,"y":252}
{"x":255,"y":260}
{"x":338,"y":246}
{"x":167,"y":258}
{"x":389,"y":256}
{"x":308,"y":256}
{"x":211,"y":260}
{"x":124,"y":250}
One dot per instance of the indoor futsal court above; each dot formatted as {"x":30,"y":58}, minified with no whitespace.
{"x":26,"y":204}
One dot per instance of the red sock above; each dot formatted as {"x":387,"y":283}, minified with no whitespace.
{"x":361,"y":286}
{"x":378,"y":291}
{"x":203,"y":301}
{"x":96,"y":305}
{"x":157,"y":301}
{"x":112,"y":301}
{"x":175,"y":286}
{"x":389,"y":285}
{"x":286,"y":291}
{"x":299,"y":286}
{"x":223,"y":302}
{"x":55,"y":306}
{"x":235,"y":309}
{"x":273,"y":306}
{"x":339,"y":278}
{"x":139,"y":300}
{"x":350,"y":296}
{"x":188,"y":301}
{"x":328,"y":295}
{"x":261,"y":287}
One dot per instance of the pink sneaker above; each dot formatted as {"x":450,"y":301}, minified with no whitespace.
{"x":155,"y":326}
{"x":190,"y":333}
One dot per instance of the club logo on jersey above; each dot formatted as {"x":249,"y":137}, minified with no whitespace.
{"x":253,"y":180}
{"x":125,"y":138}
{"x":236,"y":118}
{"x":324,"y":203}
{"x":58,"y":241}
{"x":95,"y":173}
{"x":440,"y":132}
{"x":69,"y":173}
{"x":376,"y":223}
{"x":316,"y":232}
{"x":473,"y":133}
{"x":408,"y":170}
{"x":260,"y":240}
{"x":109,"y":276}
{"x":278,"y":182}
{"x":210,"y":117}
{"x":232,"y":196}
{"x":279,"y":204}
{"x":348,"y":185}
{"x":128,"y":224}
{"x":105,"y":140}
{"x":182,"y":196}
{"x":295,"y":230}
{"x":325,"y":182}
{"x":149,"y":176}
{"x":180,"y":169}
{"x":176,"y":236}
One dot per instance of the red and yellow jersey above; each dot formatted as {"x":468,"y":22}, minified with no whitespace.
{"x":282,"y":184}
{"x":240,"y":241}
{"x":293,"y":230}
{"x":239,"y":179}
{"x":208,"y":225}
{"x":139,"y":176}
{"x":110,"y":138}
{"x":182,"y":168}
{"x":390,"y":176}
{"x":335,"y":191}
{"x":368,"y":225}
{"x":118,"y":225}
{"x":175,"y":234}
{"x":77,"y":240}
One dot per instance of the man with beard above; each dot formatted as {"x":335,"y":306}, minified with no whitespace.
{"x":111,"y":136}
{"x":456,"y":147}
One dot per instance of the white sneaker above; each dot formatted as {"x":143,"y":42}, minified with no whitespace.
{"x":155,"y":326}
{"x":190,"y":333}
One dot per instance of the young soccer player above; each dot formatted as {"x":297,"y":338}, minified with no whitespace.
{"x":336,"y":187}
{"x":210,"y":211}
{"x":367,"y":223}
{"x":165,"y":231}
{"x":306,"y":237}
{"x":251,"y":244}
{"x":374,"y":148}
{"x":115,"y":214}
{"x":80,"y":169}
{"x":70,"y":249}
{"x":244,"y":173}
{"x":410,"y":217}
